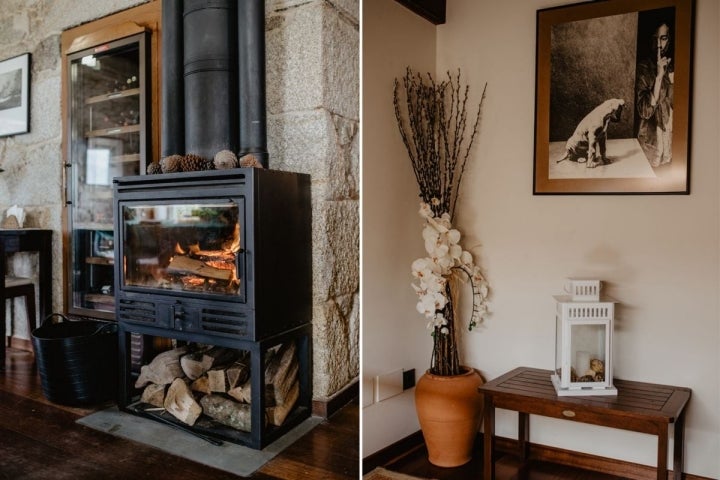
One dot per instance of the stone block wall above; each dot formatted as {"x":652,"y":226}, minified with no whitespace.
{"x":313,"y":124}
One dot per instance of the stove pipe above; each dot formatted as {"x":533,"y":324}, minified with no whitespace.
{"x":251,"y":79}
{"x":172,"y":131}
{"x":214,"y":78}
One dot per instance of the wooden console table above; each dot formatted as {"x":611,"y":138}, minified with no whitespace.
{"x":640,"y":407}
{"x":27,"y":240}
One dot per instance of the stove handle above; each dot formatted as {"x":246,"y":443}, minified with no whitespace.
{"x":177,"y":316}
{"x":242,"y":265}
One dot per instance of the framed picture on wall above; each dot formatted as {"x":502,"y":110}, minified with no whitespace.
{"x":15,"y":95}
{"x":613,"y":97}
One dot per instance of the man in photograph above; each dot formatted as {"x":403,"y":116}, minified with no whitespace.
{"x":654,"y":98}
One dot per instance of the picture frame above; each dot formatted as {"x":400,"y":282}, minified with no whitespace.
{"x":613,"y":98}
{"x":15,"y":95}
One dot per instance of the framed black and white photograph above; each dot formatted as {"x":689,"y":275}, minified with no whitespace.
{"x":613,"y":97}
{"x":15,"y":95}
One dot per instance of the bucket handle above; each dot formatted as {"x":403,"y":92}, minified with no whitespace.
{"x":63,"y":318}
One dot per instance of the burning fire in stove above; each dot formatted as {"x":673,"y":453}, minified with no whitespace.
{"x":195,"y":253}
{"x":207,"y":270}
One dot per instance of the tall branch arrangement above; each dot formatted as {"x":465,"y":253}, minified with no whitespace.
{"x":433,"y":122}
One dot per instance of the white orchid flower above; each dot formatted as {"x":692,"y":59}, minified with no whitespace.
{"x":456,"y":252}
{"x":430,"y":303}
{"x":425,"y":210}
{"x":437,"y":321}
{"x":446,"y":258}
{"x":421,"y":268}
{"x":438,"y":225}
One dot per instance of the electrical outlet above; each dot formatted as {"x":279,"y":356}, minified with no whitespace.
{"x":368,"y":392}
{"x":408,"y":379}
{"x":388,"y":385}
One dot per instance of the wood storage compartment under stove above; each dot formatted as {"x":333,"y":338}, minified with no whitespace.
{"x":217,"y":259}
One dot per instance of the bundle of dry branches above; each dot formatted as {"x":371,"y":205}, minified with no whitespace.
{"x":432,"y":118}
{"x":433,"y":122}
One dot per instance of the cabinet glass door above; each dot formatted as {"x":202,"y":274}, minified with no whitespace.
{"x":108,"y":138}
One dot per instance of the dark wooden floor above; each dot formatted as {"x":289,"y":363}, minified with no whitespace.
{"x":40,"y":440}
{"x":507,"y":467}
{"x":409,"y":456}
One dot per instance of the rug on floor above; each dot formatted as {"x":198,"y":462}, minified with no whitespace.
{"x":229,"y":456}
{"x":380,"y":473}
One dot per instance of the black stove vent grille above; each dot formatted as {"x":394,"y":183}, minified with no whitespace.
{"x":137,"y":311}
{"x":226,"y":322}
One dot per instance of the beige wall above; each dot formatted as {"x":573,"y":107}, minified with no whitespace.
{"x":393,"y":336}
{"x":659,"y":255}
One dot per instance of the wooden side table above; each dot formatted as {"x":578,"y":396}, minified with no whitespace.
{"x":28,"y":240}
{"x":640,"y":407}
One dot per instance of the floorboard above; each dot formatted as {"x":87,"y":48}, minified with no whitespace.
{"x":507,"y":467}
{"x":40,"y":440}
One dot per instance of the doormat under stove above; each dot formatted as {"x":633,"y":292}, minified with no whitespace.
{"x":230,"y":457}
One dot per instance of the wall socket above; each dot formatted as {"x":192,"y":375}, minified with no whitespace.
{"x":408,"y":379}
{"x":393,"y":383}
{"x":388,"y":385}
{"x":368,"y":391}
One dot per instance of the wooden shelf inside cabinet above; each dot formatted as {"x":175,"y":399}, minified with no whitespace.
{"x":100,"y":260}
{"x":104,"y":132}
{"x":100,"y":298}
{"x":132,"y":157}
{"x":94,"y":226}
{"x":113,"y":95}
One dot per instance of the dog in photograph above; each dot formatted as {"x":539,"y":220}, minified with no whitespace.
{"x":588,"y":141}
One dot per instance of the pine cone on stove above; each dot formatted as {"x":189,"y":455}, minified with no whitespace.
{"x":193,"y":163}
{"x":171,"y":164}
{"x":154,"y":168}
{"x":250,"y":160}
{"x":225,"y":159}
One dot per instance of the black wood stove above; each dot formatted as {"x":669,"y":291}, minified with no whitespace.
{"x":219,"y":258}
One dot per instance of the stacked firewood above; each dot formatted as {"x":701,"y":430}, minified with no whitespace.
{"x":189,"y":381}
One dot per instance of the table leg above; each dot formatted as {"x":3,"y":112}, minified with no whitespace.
{"x":662,"y":452}
{"x":2,"y":307}
{"x":488,"y":438}
{"x":44,"y":278}
{"x":524,"y":435}
{"x":679,"y":447}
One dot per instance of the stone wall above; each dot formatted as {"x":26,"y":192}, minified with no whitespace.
{"x":313,"y":122}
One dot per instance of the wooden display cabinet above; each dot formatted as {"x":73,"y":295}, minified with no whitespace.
{"x":110,"y":129}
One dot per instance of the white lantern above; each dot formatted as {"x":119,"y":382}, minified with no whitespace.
{"x":583,"y":340}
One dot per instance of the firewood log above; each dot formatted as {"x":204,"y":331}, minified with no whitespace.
{"x":163,"y":369}
{"x":237,"y":373}
{"x":185,"y":265}
{"x":280,"y":361}
{"x":180,"y":402}
{"x":277,"y":414}
{"x":217,"y":381}
{"x":200,"y":385}
{"x":154,"y":395}
{"x":217,"y":356}
{"x":282,"y":371}
{"x":195,"y":364}
{"x":282,"y":384}
{"x":243,"y":393}
{"x":228,"y":412}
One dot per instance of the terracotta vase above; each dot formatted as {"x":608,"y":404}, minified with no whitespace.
{"x":450,"y":413}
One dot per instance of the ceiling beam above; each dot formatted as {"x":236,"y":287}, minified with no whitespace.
{"x":431,"y":10}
